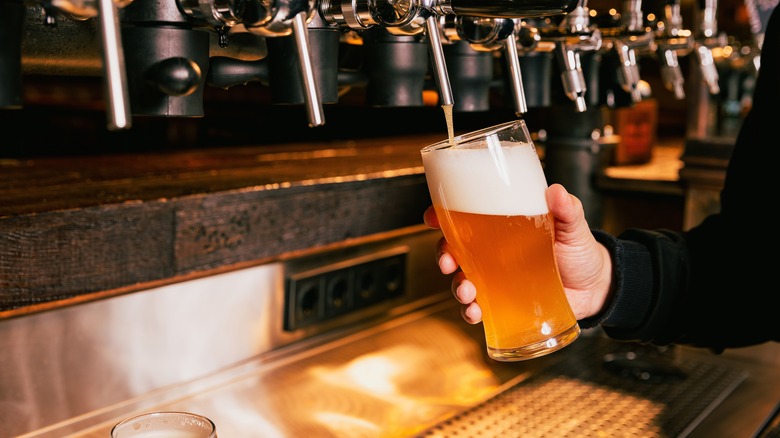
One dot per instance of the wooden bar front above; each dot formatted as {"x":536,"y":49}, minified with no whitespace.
{"x":80,"y":228}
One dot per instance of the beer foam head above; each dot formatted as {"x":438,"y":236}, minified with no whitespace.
{"x":481,"y":178}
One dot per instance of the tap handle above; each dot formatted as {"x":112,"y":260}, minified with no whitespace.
{"x":628,"y":74}
{"x":673,"y":17}
{"x":437,"y":56}
{"x":516,"y":78}
{"x":709,"y":18}
{"x":571,"y":75}
{"x":311,"y":93}
{"x":708,"y":68}
{"x":632,"y":16}
{"x":671,"y":75}
{"x":115,"y":78}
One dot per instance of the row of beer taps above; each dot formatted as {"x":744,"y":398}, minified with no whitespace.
{"x":156,"y":59}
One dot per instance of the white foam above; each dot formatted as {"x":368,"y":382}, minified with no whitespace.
{"x":476,"y":180}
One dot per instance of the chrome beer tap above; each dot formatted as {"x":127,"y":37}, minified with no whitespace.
{"x":415,"y":16}
{"x":280,"y":18}
{"x":576,"y":35}
{"x":507,"y":10}
{"x":402,"y":19}
{"x":625,"y":40}
{"x":707,"y":39}
{"x":567,"y":40}
{"x":672,"y":41}
{"x":471,"y":70}
{"x":112,"y":51}
{"x":491,"y":34}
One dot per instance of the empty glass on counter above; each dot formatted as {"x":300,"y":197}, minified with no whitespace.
{"x":488,"y":190}
{"x":165,"y":424}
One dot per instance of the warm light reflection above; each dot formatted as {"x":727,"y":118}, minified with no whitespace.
{"x":400,"y":387}
{"x":396,"y":383}
{"x":306,"y":155}
{"x":362,"y":176}
{"x":338,"y":421}
{"x":374,"y":374}
{"x":390,"y":374}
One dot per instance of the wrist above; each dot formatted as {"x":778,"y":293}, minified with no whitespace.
{"x":604,"y":290}
{"x":605,"y":286}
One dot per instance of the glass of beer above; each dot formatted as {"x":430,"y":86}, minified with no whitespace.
{"x":488,"y":190}
{"x":165,"y":424}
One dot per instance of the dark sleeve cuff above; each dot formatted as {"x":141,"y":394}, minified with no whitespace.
{"x":632,"y":283}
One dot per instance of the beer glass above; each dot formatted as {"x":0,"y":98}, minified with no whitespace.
{"x":488,"y":190}
{"x":165,"y":424}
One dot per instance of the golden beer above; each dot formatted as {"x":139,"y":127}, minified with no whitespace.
{"x":488,"y":193}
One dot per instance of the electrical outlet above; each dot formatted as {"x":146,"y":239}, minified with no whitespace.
{"x":306,"y":301}
{"x":379,"y":280}
{"x":338,"y":292}
{"x":323,"y":293}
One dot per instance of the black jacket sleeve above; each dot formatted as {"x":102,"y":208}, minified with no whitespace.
{"x":714,"y":285}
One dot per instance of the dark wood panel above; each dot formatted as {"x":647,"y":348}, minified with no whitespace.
{"x":57,"y":255}
{"x":74,"y":229}
{"x":215,"y":230}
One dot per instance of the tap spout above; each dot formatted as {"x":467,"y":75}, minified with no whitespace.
{"x":439,"y":65}
{"x":115,"y":77}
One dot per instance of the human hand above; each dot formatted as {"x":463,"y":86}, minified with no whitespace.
{"x":584,"y":264}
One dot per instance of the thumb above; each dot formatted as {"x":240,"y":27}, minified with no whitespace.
{"x":570,"y":224}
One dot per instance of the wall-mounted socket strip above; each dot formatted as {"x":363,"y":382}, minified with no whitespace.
{"x":341,"y":287}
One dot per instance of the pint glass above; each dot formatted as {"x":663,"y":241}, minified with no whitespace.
{"x":488,"y":190}
{"x":165,"y":424}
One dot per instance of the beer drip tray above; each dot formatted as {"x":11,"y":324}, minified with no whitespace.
{"x":596,"y":392}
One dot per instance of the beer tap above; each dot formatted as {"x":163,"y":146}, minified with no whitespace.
{"x":403,"y":19}
{"x":567,"y":41}
{"x":516,"y":79}
{"x":416,"y":16}
{"x":534,"y":55}
{"x":491,"y":34}
{"x":507,"y":10}
{"x":283,"y":18}
{"x":114,"y":75}
{"x":672,"y":41}
{"x":471,"y":71}
{"x":576,"y":35}
{"x":703,"y":45}
{"x":624,"y":40}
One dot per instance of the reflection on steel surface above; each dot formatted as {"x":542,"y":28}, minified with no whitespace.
{"x":391,"y":383}
{"x":578,"y":397}
{"x":426,"y":374}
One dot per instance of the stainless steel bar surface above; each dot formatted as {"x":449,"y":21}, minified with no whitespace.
{"x":215,"y":347}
